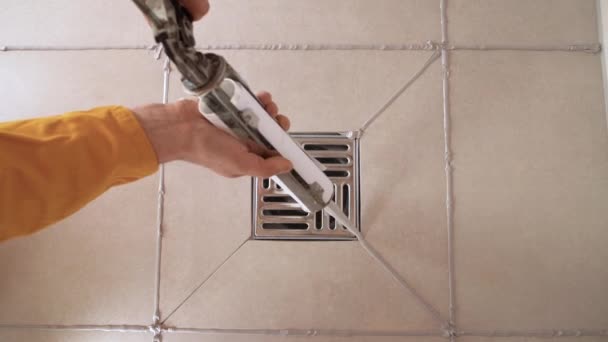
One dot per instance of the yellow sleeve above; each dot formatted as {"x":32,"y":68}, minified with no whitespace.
{"x":51,"y":167}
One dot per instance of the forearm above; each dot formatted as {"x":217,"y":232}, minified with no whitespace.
{"x":168,"y":129}
{"x":51,"y":167}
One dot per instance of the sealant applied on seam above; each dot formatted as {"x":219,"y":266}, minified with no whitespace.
{"x":335,"y":211}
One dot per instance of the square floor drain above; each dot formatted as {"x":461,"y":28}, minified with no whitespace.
{"x":276,"y":216}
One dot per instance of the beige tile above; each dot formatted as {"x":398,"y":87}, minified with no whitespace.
{"x":206,"y":218}
{"x":266,"y":338}
{"x":403,"y":188}
{"x":61,"y":22}
{"x":18,"y":335}
{"x":531,"y":190}
{"x":320,"y":285}
{"x":98,"y":265}
{"x":328,"y":90}
{"x":44,"y":83}
{"x":319,"y":21}
{"x":522,"y":21}
{"x":65,"y":22}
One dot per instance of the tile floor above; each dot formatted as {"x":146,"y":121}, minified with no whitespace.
{"x":528,"y":180}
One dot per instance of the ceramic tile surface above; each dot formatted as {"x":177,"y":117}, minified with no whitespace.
{"x":325,"y":90}
{"x":47,"y":83}
{"x":530,"y":22}
{"x":403,"y":188}
{"x":319,"y":21}
{"x":74,"y":23}
{"x":531,"y":189}
{"x":207,"y":218}
{"x":320,"y":285}
{"x":95,"y":266}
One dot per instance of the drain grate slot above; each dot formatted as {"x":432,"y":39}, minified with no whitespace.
{"x":278,"y":199}
{"x":277,"y":216}
{"x":284,"y":212}
{"x":346,"y":200}
{"x":319,"y":219}
{"x":285,"y":226}
{"x":333,"y":161}
{"x":336,"y":173}
{"x":325,"y":147}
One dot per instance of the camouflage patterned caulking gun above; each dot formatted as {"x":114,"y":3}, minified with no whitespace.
{"x":226,"y":101}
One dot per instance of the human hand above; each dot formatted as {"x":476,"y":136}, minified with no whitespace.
{"x":197,"y":8}
{"x":178,"y":131}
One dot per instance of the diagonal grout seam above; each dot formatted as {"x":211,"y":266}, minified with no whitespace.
{"x":398,"y":93}
{"x":204,"y":281}
{"x":449,"y":196}
{"x":593,"y":48}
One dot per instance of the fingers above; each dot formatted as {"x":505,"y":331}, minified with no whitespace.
{"x":232,"y":158}
{"x":197,"y":8}
{"x":264,"y":97}
{"x":256,"y":166}
{"x":283,"y":121}
{"x":272,"y":109}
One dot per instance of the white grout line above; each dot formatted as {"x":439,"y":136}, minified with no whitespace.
{"x":204,"y":281}
{"x":160,"y":210}
{"x":398,"y":93}
{"x":426,"y":46}
{"x":449,"y":196}
{"x":133,"y":328}
{"x":588,"y":48}
{"x":541,"y":333}
{"x":79,"y":327}
{"x":7,"y":48}
{"x":443,"y":10}
{"x":306,"y":332}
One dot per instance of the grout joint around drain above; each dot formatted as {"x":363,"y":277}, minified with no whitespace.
{"x":276,"y":216}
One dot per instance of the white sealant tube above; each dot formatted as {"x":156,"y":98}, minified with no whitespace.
{"x":257,"y":117}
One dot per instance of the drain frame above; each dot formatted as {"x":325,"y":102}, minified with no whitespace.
{"x":267,"y":197}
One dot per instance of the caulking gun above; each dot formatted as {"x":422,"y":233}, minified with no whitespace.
{"x":226,"y":101}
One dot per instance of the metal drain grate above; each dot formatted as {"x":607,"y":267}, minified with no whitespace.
{"x":276,"y":216}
